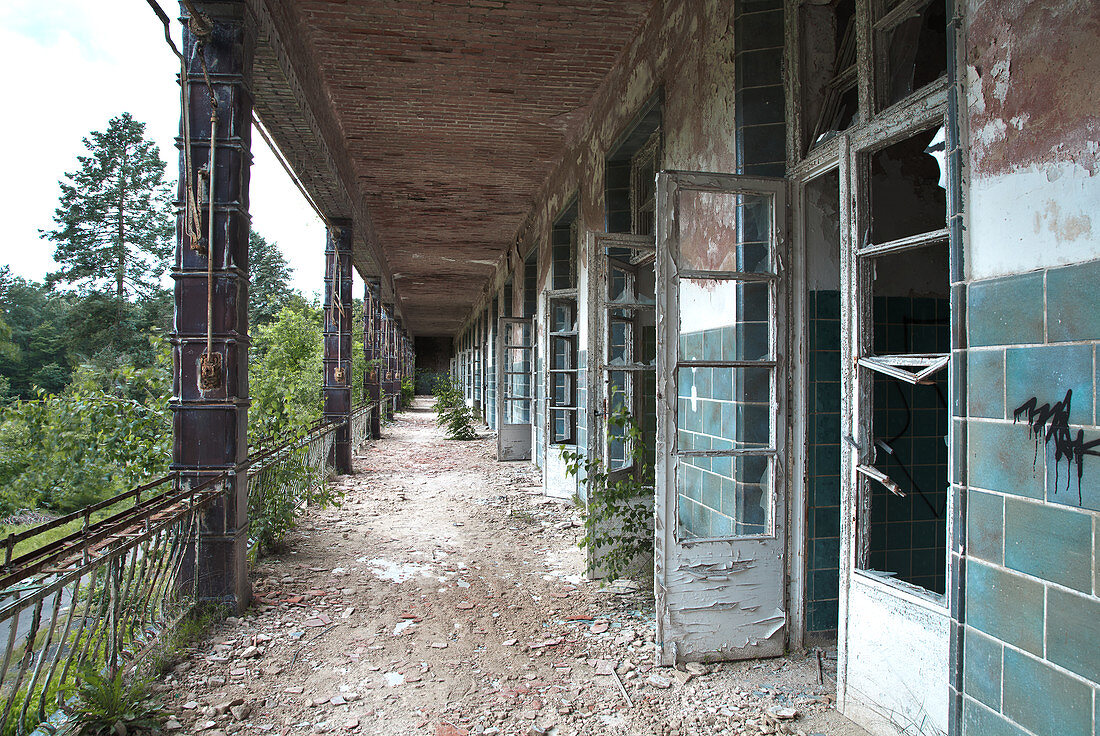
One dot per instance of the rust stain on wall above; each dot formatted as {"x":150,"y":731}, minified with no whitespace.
{"x":1032,"y":71}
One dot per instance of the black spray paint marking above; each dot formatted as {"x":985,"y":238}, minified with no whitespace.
{"x":1051,"y":423}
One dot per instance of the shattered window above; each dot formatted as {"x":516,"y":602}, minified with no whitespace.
{"x":830,"y":77}
{"x":911,"y":49}
{"x":903,"y":357}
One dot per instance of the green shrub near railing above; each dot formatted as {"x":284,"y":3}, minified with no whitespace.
{"x":281,"y":484}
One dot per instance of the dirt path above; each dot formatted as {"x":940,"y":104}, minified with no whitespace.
{"x":445,"y":596}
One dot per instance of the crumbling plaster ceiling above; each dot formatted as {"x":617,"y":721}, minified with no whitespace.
{"x":431,"y":124}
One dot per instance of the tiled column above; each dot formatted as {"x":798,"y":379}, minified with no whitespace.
{"x":372,"y":353}
{"x":337,"y":358}
{"x":210,"y":328}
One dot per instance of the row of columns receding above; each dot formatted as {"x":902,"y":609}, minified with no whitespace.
{"x":210,"y":324}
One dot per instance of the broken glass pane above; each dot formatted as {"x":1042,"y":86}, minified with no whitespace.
{"x":562,"y":316}
{"x":619,"y":284}
{"x":913,"y":52}
{"x":907,"y":188}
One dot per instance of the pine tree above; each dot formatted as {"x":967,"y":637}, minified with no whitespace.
{"x":269,"y":280}
{"x":114,"y":219}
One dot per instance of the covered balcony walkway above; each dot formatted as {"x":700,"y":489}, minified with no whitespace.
{"x":445,"y":596}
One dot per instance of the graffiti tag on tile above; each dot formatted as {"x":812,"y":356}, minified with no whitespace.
{"x":1049,"y":424}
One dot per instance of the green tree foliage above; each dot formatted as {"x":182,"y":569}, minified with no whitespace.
{"x":107,"y":332}
{"x":51,"y":332}
{"x":38,"y":354}
{"x":269,"y":281}
{"x":358,"y":358}
{"x":107,"y":432}
{"x":284,"y":371}
{"x":114,"y":222}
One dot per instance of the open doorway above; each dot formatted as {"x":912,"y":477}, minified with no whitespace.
{"x":821,"y":228}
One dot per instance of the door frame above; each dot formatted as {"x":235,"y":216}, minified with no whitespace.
{"x":502,"y":390}
{"x":718,"y":559}
{"x":829,"y":157}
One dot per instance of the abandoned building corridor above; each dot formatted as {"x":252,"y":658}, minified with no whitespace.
{"x":445,"y":595}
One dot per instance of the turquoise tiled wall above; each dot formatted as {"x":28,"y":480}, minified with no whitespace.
{"x":909,"y":535}
{"x":823,"y":462}
{"x":1031,"y":655}
{"x":759,"y":112}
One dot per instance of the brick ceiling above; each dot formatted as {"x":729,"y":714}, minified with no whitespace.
{"x":447,"y":115}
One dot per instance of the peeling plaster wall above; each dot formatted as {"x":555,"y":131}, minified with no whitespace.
{"x":1034,"y":153}
{"x":685,"y":48}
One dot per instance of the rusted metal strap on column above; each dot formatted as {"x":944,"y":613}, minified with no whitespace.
{"x":210,"y":401}
{"x":337,"y":357}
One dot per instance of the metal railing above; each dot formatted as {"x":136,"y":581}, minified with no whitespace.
{"x":97,"y":597}
{"x":79,"y":592}
{"x":360,"y":423}
{"x":283,"y":479}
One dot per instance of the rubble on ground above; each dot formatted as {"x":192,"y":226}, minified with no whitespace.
{"x":445,"y":597}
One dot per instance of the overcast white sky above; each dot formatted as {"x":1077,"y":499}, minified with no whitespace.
{"x":71,"y":66}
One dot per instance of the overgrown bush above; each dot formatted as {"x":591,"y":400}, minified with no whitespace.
{"x":108,"y":431}
{"x":617,"y":507}
{"x":279,"y":494}
{"x":452,"y":414}
{"x":408,"y":390}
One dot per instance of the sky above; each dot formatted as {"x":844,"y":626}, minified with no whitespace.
{"x":72,"y":66}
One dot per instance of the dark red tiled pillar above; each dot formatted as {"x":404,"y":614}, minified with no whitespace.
{"x":210,"y":330}
{"x":337,"y":358}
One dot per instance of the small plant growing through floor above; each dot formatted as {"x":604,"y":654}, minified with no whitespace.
{"x":408,"y":391}
{"x":452,"y":413}
{"x":115,"y":704}
{"x":618,"y":521}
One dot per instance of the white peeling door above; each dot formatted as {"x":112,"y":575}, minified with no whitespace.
{"x":515,"y":344}
{"x":720,"y":547}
